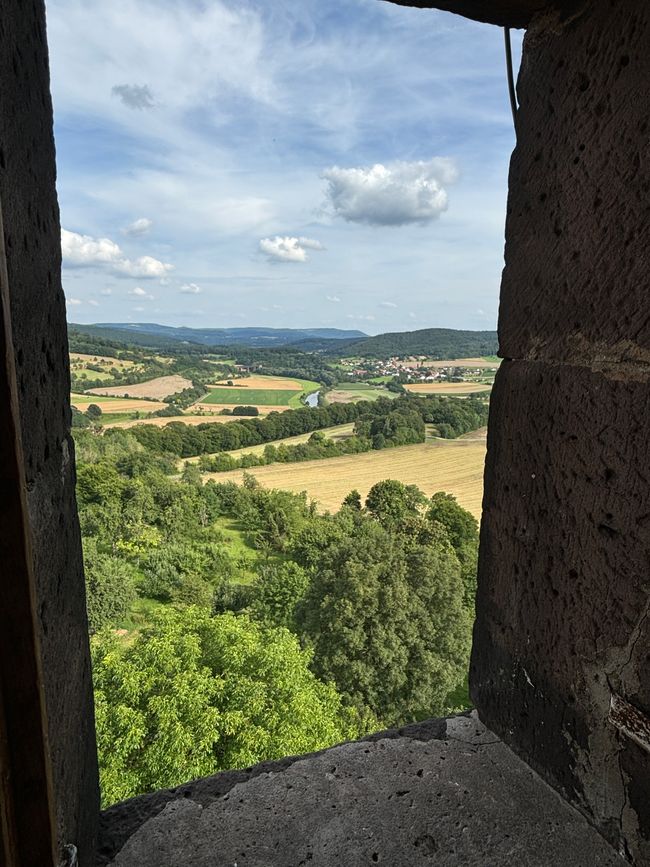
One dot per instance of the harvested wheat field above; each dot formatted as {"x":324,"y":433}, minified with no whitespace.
{"x":161,"y":386}
{"x":265,"y":382}
{"x":449,"y":388}
{"x":115,"y":404}
{"x":101,"y":359}
{"x":454,"y":466}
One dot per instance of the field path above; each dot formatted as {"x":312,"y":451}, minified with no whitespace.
{"x":454,"y":466}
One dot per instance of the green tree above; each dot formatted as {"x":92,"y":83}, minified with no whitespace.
{"x":462,"y":530}
{"x":278,"y":590}
{"x":110,"y":588}
{"x":353,"y":500}
{"x":195,"y":694}
{"x":94,"y":412}
{"x":384,"y":613}
{"x":391,"y":500}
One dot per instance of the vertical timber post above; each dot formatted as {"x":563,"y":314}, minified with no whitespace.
{"x":27,"y":825}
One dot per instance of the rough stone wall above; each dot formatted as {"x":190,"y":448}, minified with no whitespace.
{"x":564,"y":583}
{"x":32,"y":238}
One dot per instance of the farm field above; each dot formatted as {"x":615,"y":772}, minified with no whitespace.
{"x":115,"y":404}
{"x":277,"y":392}
{"x":263,"y":382}
{"x":453,"y":466}
{"x":357,"y":391}
{"x":448,"y":388}
{"x":475,"y":363}
{"x":249,"y":396}
{"x":161,"y":386}
{"x":101,"y":359}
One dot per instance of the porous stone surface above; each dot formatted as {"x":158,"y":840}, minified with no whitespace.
{"x":564,"y":587}
{"x":575,"y":286}
{"x":121,"y":821}
{"x":465,"y":799}
{"x":506,"y":13}
{"x":32,"y":240}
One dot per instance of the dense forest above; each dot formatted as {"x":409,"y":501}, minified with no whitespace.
{"x":232,"y":624}
{"x":437,"y":343}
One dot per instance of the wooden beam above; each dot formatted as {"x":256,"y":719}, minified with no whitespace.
{"x":27,"y":825}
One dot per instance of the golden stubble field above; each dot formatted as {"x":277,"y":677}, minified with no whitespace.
{"x":114,"y":404}
{"x":454,"y":466}
{"x":161,"y":386}
{"x":274,"y":383}
{"x":449,"y":388}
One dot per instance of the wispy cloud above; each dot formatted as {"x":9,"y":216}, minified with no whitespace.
{"x":387,"y":304}
{"x":138,"y":227}
{"x":288,"y":249}
{"x":190,"y":289}
{"x":334,"y":299}
{"x":134,"y":96}
{"x":139,"y":292}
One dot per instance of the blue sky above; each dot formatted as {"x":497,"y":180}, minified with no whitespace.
{"x":294,"y":163}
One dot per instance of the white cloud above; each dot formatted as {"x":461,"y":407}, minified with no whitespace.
{"x":387,"y":304}
{"x":93,"y":303}
{"x":391,"y":195}
{"x":74,"y":302}
{"x":190,"y":289}
{"x":138,"y":309}
{"x":106,"y":291}
{"x":138,"y":227}
{"x":333,"y":298}
{"x":136,"y":96}
{"x":83,"y":251}
{"x":139,"y":292}
{"x":288,"y":249}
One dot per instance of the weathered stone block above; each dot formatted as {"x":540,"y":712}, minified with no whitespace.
{"x":32,"y":238}
{"x":576,"y":282}
{"x":564,"y":583}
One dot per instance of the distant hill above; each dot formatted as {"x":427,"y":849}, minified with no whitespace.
{"x":151,"y":334}
{"x":434,"y":342}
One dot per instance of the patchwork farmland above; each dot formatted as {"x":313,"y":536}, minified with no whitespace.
{"x":264,"y":392}
{"x":160,"y":387}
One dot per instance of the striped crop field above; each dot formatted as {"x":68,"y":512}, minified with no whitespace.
{"x":115,"y":404}
{"x":161,"y":386}
{"x":453,"y":466}
{"x":448,"y":388}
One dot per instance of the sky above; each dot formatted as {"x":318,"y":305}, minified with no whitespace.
{"x":295,"y":163}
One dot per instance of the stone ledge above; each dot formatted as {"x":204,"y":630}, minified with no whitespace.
{"x":445,"y":793}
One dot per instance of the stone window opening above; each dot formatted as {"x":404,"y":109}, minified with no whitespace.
{"x":563,"y":601}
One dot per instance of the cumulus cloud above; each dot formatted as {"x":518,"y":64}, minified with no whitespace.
{"x":387,"y":304}
{"x":83,"y":251}
{"x":333,"y":298}
{"x":395,"y":194}
{"x":138,"y":227}
{"x":190,"y":289}
{"x":139,"y":292}
{"x":288,"y":249}
{"x":134,"y":96}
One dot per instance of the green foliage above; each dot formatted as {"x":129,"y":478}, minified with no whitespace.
{"x":94,"y":412}
{"x":277,"y":592}
{"x":385,"y":616}
{"x":194,"y":694}
{"x":462,"y":530}
{"x":110,"y":587}
{"x":391,"y":500}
